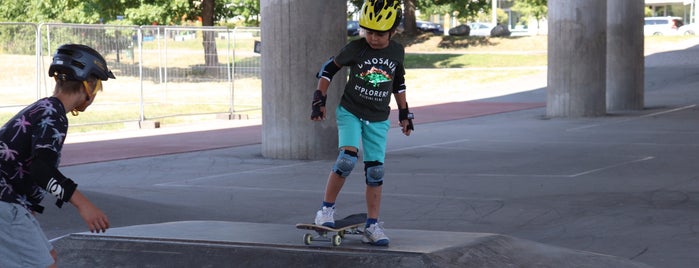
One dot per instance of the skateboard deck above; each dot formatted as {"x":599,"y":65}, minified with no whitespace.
{"x":348,"y":225}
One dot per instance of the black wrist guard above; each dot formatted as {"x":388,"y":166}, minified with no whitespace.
{"x":318,"y":101}
{"x":405,"y":114}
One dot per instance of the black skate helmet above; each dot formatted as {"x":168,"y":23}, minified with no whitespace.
{"x":78,"y":62}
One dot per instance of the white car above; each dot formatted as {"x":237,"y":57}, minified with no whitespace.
{"x":689,"y":29}
{"x":662,"y":25}
{"x":480,"y":28}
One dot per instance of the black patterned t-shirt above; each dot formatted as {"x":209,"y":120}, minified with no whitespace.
{"x":41,"y":125}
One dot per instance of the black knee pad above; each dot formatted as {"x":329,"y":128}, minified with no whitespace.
{"x":373,"y":171}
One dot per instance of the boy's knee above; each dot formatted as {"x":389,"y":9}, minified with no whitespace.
{"x":374,"y":172}
{"x":345,"y":163}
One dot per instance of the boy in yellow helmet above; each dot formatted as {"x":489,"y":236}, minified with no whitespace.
{"x":376,"y":72}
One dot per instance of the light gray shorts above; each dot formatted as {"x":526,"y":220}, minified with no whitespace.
{"x":22,"y":242}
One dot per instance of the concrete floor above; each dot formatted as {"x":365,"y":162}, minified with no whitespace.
{"x":624,"y":185}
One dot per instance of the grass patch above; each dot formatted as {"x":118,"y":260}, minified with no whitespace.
{"x":473,"y":60}
{"x":437,"y":43}
{"x":487,"y":61}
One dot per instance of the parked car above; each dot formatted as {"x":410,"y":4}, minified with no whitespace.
{"x":689,"y":29}
{"x":662,"y":25}
{"x":480,"y":28}
{"x":352,"y":28}
{"x":431,"y":27}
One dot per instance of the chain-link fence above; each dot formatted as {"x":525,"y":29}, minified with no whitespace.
{"x":164,"y":74}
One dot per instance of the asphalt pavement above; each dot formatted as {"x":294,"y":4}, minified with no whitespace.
{"x":626,"y":184}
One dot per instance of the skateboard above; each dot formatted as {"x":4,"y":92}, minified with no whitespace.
{"x":348,"y":225}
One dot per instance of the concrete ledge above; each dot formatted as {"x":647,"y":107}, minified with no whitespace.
{"x":235,"y":244}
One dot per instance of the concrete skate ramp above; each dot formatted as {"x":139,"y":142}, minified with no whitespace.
{"x":235,"y":244}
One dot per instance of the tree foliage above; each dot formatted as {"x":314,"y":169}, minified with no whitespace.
{"x":531,"y":8}
{"x":71,"y":11}
{"x":465,"y":9}
{"x":134,"y":12}
{"x":166,"y":12}
{"x":247,"y":10}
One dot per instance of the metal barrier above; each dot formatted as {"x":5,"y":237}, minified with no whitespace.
{"x":163,"y":73}
{"x":19,"y":69}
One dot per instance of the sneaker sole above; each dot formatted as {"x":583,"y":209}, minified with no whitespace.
{"x":381,"y":243}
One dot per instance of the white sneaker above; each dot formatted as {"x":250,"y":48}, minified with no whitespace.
{"x":324,"y":217}
{"x":374,"y":235}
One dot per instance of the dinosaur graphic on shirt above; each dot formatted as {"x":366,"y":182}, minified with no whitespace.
{"x":375,"y":76}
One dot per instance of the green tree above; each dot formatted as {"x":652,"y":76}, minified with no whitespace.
{"x":247,"y":10}
{"x":531,"y":8}
{"x":70,"y":11}
{"x":165,"y":12}
{"x":464,"y":9}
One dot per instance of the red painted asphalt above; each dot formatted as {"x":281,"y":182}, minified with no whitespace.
{"x":133,"y":147}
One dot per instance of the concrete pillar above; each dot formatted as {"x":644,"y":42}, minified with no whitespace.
{"x":297,"y":37}
{"x":577,"y":42}
{"x":625,"y":60}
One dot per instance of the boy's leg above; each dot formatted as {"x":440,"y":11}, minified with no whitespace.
{"x":374,"y":145}
{"x":349,"y":132}
{"x":343,"y":167}
{"x":374,"y":142}
{"x":333,"y":187}
{"x":349,"y":129}
{"x":373,"y":201}
{"x":22,"y":241}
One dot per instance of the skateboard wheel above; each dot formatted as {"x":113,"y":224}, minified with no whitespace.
{"x":307,"y":238}
{"x":337,"y":240}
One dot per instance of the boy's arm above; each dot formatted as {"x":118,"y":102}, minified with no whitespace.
{"x":405,"y":117}
{"x":320,"y":95}
{"x":401,"y":100}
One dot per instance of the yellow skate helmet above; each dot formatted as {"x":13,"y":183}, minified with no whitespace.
{"x":380,"y":15}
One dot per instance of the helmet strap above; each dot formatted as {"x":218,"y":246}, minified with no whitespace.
{"x":90,"y":95}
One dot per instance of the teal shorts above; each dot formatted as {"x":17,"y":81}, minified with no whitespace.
{"x":22,"y":242}
{"x":351,"y":130}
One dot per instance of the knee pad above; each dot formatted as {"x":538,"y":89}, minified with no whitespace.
{"x":345,"y":163}
{"x":374,"y":173}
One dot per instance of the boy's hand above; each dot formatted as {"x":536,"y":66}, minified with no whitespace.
{"x":406,"y":121}
{"x":95,"y":219}
{"x":407,"y":126}
{"x":318,"y":106}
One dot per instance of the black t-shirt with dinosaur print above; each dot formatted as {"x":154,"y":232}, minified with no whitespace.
{"x":374,"y":75}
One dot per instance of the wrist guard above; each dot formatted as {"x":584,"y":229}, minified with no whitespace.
{"x":405,"y":114}
{"x":318,"y":101}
